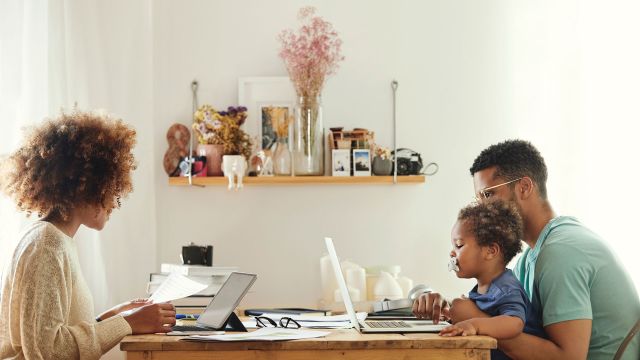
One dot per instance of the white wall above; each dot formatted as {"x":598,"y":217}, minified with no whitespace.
{"x":471,"y":74}
{"x":447,"y":57}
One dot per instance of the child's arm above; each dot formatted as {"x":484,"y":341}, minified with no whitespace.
{"x":500,"y":327}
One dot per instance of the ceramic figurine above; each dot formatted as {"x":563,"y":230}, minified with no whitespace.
{"x":234,"y":166}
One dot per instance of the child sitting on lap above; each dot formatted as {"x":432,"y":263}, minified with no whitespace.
{"x":485,"y":238}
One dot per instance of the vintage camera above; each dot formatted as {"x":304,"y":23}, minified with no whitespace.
{"x":193,"y":254}
{"x":409,"y":162}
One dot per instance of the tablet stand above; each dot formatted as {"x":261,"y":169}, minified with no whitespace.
{"x":233,"y":323}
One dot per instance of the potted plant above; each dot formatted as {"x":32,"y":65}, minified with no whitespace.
{"x":219,"y":134}
{"x":382,"y":163}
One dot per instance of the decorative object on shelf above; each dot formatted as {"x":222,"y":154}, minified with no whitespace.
{"x":213,"y":154}
{"x":382,"y":163}
{"x":310,"y":55}
{"x":221,"y":129}
{"x":280,"y":120}
{"x":361,"y":162}
{"x":260,"y":94}
{"x":308,"y":137}
{"x":340,"y":162}
{"x":409,"y":161}
{"x":178,"y":138}
{"x":354,"y":139}
{"x":193,"y":166}
{"x":234,"y":166}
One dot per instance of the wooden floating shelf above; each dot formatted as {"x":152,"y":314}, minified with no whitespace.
{"x":300,"y":180}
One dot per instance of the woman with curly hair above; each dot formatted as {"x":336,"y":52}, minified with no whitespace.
{"x":71,"y":171}
{"x":485,"y":238}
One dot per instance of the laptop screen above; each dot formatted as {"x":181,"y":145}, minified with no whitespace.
{"x":341,"y":283}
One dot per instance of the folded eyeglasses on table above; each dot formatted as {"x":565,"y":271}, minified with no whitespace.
{"x":285,"y":322}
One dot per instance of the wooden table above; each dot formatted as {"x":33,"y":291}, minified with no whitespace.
{"x":340,"y":344}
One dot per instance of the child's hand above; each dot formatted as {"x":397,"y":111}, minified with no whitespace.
{"x":463,"y":328}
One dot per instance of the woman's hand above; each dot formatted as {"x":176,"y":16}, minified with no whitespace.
{"x":135,"y":303}
{"x":463,"y":328}
{"x":151,"y":318}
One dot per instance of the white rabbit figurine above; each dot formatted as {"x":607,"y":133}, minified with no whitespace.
{"x":232,"y":166}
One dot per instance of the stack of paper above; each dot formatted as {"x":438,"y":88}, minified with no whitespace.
{"x":264,"y":334}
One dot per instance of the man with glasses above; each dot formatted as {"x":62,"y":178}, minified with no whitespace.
{"x":586,"y":300}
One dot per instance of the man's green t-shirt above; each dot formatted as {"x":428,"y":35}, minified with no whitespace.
{"x":571,"y":274}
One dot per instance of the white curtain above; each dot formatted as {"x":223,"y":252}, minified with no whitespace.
{"x":96,"y":54}
{"x":575,"y":67}
{"x":24,"y":93}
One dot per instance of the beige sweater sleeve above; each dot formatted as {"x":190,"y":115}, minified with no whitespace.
{"x":42,"y":293}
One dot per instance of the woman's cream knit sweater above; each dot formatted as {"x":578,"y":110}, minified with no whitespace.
{"x":47,"y":309}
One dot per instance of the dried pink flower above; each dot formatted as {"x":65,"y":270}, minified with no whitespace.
{"x":311,"y":54}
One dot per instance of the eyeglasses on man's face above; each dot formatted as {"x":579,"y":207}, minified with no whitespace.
{"x":488,"y":192}
{"x":285,"y":322}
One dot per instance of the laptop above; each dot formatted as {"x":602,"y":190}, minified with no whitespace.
{"x":377,"y":326}
{"x":214,"y":317}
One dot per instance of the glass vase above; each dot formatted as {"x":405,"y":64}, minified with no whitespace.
{"x":308,"y":137}
{"x":281,"y":157}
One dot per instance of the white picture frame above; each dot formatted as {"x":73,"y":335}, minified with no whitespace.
{"x":340,"y":162}
{"x":361,"y":162}
{"x":257,"y":93}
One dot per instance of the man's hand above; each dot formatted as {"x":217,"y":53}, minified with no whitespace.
{"x":431,"y":306}
{"x":463,"y":328}
{"x":135,"y":303}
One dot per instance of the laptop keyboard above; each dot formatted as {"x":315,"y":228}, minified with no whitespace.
{"x":387,"y":324}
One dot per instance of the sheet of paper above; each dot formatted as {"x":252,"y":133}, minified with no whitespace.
{"x":176,"y":286}
{"x":264,"y":334}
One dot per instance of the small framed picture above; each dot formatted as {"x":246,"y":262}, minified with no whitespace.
{"x":272,"y":127}
{"x":340,"y":162}
{"x":361,"y":162}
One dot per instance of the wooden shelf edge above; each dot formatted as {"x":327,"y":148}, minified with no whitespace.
{"x":301,"y":180}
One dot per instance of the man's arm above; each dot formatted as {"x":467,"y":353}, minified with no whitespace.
{"x":567,"y":340}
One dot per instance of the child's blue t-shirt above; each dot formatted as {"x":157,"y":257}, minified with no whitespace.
{"x":506,"y":296}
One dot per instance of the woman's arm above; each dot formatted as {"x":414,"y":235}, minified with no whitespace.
{"x":42,"y":303}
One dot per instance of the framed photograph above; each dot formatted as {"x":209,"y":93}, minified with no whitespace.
{"x":340,"y":162}
{"x":268,"y":124}
{"x":361,"y":162}
{"x":259,"y":95}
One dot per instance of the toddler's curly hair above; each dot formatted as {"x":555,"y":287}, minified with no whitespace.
{"x":495,"y":222}
{"x":80,"y":158}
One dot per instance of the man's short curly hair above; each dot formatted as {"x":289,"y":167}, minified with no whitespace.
{"x":514,"y":159}
{"x":495,"y":222}
{"x":80,"y":158}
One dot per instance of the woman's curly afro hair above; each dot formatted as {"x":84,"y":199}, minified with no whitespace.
{"x":80,"y":158}
{"x":495,"y":222}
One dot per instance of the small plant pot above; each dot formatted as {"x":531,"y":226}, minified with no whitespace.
{"x":382,"y":167}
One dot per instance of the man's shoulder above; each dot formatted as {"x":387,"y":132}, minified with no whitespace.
{"x":571,"y":239}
